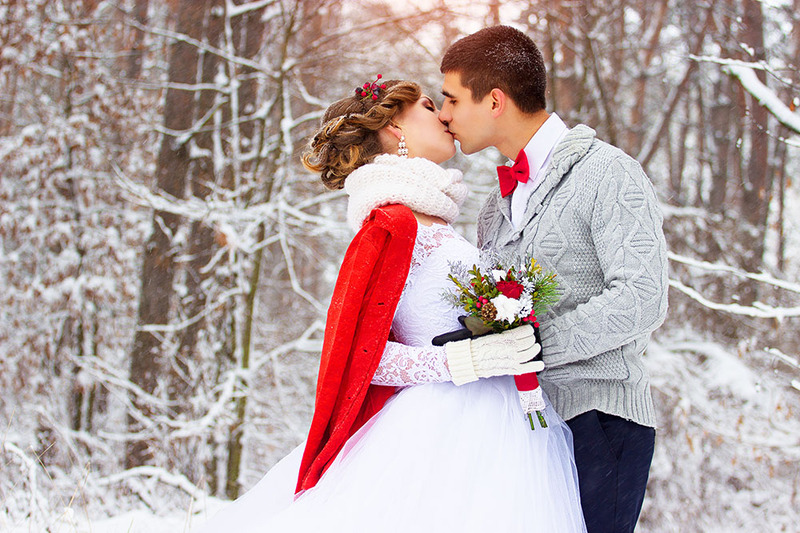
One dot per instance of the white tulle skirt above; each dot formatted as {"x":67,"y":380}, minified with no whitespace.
{"x":436,"y":458}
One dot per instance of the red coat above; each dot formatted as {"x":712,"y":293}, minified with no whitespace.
{"x":360,"y":315}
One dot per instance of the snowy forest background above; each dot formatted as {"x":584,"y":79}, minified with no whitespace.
{"x":165,"y":261}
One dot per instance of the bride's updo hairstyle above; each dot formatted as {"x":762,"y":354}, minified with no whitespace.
{"x":348,"y":137}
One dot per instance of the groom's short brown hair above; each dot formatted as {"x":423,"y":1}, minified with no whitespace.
{"x":501,"y":57}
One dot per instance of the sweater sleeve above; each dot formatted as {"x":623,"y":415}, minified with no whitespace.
{"x":402,"y":365}
{"x":626,"y":228}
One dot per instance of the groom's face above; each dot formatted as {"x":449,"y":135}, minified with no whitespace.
{"x":470,"y":122}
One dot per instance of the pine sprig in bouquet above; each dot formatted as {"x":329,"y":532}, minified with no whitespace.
{"x":503,"y":297}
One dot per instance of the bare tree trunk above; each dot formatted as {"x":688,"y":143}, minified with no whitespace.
{"x":549,"y":53}
{"x":636,"y":128}
{"x":649,"y":149}
{"x":201,"y":237}
{"x":235,"y":447}
{"x":448,"y":28}
{"x":784,"y":152}
{"x":757,"y":189}
{"x":134,"y":68}
{"x":722,"y":111}
{"x":494,"y":12}
{"x":565,"y":91}
{"x":158,"y":268}
{"x":8,"y":102}
{"x":251,"y":31}
{"x":781,"y":160}
{"x":8,"y":78}
{"x":73,"y":332}
{"x":606,"y":96}
{"x":702,"y":150}
{"x":739,"y":98}
{"x":674,"y":195}
{"x":679,"y":165}
{"x":616,"y":55}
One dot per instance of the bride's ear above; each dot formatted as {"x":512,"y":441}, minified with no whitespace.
{"x":389,"y":136}
{"x":394,"y":129}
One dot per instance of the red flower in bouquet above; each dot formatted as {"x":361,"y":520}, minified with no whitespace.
{"x":510,"y":289}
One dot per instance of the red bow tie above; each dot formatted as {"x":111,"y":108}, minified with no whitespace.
{"x":509,"y":176}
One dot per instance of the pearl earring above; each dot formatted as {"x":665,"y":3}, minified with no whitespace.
{"x":402,"y":151}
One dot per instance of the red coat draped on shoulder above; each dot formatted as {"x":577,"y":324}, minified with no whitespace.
{"x":360,"y":315}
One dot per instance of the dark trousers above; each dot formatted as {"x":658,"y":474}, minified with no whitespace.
{"x":613,"y":457}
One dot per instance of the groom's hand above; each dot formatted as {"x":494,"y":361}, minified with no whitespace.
{"x":509,"y":353}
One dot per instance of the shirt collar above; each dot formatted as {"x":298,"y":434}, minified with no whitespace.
{"x":543,"y":142}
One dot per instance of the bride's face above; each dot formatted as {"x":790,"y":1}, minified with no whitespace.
{"x":425,"y":135}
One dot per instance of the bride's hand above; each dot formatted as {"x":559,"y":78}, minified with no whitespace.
{"x":509,"y":353}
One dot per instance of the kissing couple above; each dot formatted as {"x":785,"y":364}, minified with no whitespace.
{"x":410,"y":436}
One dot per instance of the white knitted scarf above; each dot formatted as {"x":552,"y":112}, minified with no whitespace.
{"x":417,"y":183}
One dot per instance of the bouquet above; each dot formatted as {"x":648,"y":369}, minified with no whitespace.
{"x":502,"y":298}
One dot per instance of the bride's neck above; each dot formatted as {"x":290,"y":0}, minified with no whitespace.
{"x":428,"y":220}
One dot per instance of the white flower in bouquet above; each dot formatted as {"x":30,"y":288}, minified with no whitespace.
{"x":507,"y":308}
{"x":526,"y":304}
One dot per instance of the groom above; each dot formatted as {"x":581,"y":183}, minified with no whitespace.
{"x":585,"y":210}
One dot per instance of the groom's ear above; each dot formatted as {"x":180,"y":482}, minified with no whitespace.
{"x":498,"y":101}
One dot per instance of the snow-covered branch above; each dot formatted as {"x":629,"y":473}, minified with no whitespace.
{"x":225,"y":215}
{"x":765,"y":96}
{"x":304,"y":343}
{"x":215,"y":412}
{"x":168,"y":478}
{"x":298,"y":289}
{"x":788,"y":359}
{"x":763,"y":278}
{"x":192,"y":208}
{"x":164,"y":85}
{"x":36,"y":499}
{"x":754,"y":65}
{"x":184,"y":136}
{"x":689,"y":212}
{"x":222,"y":300}
{"x":758,"y":310}
{"x":255,"y":65}
{"x":103,"y":372}
{"x":232,"y":10}
{"x":347,"y":32}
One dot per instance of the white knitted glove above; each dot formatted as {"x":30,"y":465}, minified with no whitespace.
{"x":500,"y":354}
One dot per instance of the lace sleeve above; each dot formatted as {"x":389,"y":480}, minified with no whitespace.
{"x":403,"y":365}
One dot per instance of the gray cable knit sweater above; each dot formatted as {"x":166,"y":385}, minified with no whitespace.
{"x":596,"y":222}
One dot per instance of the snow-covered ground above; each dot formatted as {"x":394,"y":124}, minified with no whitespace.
{"x":135,"y":521}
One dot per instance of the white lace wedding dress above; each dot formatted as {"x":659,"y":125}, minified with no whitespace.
{"x":437,"y":457}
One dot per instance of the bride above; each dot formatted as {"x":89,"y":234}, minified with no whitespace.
{"x":407,"y":436}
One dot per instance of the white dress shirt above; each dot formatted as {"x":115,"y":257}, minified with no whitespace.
{"x":539,"y":151}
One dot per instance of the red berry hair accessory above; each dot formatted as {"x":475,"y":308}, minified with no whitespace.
{"x":371,"y":90}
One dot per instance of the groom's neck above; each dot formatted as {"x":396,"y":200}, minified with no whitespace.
{"x":517,"y":129}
